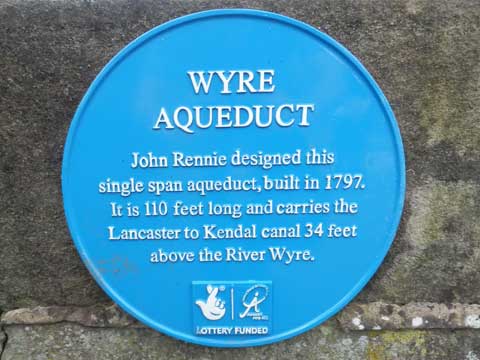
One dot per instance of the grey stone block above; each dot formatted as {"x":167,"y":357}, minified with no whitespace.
{"x":70,"y":342}
{"x":371,"y":316}
{"x":437,"y":254}
{"x":92,"y":316}
{"x":381,"y":316}
{"x":424,"y":54}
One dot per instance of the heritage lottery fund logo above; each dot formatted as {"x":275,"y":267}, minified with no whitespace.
{"x":233,"y":308}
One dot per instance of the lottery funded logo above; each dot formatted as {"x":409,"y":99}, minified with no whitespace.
{"x":213,"y":308}
{"x":232,"y":308}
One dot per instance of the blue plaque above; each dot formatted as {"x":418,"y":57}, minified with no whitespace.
{"x":233,"y":178}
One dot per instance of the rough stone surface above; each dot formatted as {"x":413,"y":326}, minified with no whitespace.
{"x":93,"y":316}
{"x":424,"y":54}
{"x":441,"y":245}
{"x":71,"y":341}
{"x":371,"y":316}
{"x":381,"y":316}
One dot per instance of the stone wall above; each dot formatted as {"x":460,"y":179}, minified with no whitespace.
{"x":423,"y":302}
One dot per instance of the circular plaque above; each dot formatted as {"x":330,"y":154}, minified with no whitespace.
{"x":233,"y":178}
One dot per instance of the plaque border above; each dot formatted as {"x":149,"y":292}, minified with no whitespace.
{"x":310,"y":30}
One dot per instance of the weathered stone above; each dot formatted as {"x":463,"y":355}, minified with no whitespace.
{"x":71,"y":341}
{"x":372,"y":316}
{"x":424,"y":54}
{"x":439,"y":251}
{"x":381,"y":316}
{"x":93,"y":316}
